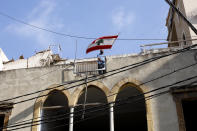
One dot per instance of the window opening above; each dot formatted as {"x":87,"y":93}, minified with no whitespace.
{"x":55,"y":105}
{"x":92,"y":121}
{"x":184,"y":38}
{"x":2,"y":117}
{"x":5,"y":111}
{"x":190,"y":114}
{"x":130,"y":116}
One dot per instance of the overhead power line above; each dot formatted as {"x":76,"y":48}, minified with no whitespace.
{"x":69,"y":35}
{"x":70,"y":82}
{"x":182,"y":68}
{"x":145,"y":93}
{"x":40,"y":28}
{"x":77,"y":36}
{"x":88,"y":111}
{"x":80,"y":83}
{"x":106,"y":106}
{"x":61,"y":34}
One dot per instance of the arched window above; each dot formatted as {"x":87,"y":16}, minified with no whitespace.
{"x":90,"y":120}
{"x":53,"y":112}
{"x":131,"y":115}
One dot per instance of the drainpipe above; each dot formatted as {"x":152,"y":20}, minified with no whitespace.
{"x":111,"y":113}
{"x":71,"y":119}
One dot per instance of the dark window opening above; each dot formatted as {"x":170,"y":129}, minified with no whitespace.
{"x":178,"y":15}
{"x":130,"y":115}
{"x":190,"y":114}
{"x":2,"y":117}
{"x":92,"y":121}
{"x":184,"y":43}
{"x":53,"y":112}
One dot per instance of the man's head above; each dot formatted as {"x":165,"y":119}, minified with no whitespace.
{"x":101,"y":52}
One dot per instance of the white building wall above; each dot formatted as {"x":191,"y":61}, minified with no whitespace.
{"x":40,"y":59}
{"x":3,"y":58}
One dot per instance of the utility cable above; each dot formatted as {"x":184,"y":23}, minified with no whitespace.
{"x":117,"y":103}
{"x":136,"y":65}
{"x":69,"y":35}
{"x":62,"y":117}
{"x":182,"y":68}
{"x":142,"y":94}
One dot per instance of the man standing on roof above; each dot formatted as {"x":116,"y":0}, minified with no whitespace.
{"x":101,"y":63}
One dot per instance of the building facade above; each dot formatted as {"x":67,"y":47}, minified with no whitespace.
{"x":150,"y":91}
{"x":60,"y":95}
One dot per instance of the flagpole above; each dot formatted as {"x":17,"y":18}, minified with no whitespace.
{"x":116,"y":38}
{"x":75,"y":56}
{"x":75,"y":51}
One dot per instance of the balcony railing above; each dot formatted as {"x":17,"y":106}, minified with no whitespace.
{"x":90,"y":67}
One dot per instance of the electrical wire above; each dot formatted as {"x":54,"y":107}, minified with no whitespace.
{"x":142,"y":94}
{"x":70,"y":82}
{"x":62,"y":117}
{"x":178,"y":69}
{"x":158,"y":94}
{"x":72,"y":36}
{"x":44,"y":29}
{"x":82,"y":37}
{"x":116,"y":103}
{"x":182,"y":68}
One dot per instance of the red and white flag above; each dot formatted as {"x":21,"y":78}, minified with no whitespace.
{"x":104,"y":42}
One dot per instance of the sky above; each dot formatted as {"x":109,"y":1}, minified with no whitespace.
{"x":131,"y":19}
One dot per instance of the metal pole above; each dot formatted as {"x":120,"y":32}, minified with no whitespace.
{"x":75,"y":52}
{"x":85,"y":99}
{"x":181,"y":15}
{"x":71,"y":118}
{"x":111,"y":112}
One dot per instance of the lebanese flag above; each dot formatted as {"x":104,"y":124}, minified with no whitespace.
{"x":104,"y":42}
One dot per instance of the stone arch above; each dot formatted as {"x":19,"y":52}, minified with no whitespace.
{"x":76,"y":94}
{"x":40,"y":100}
{"x":137,"y":84}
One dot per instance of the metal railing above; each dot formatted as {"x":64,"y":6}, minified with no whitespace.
{"x":89,"y":68}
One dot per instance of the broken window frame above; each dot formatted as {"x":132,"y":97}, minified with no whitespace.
{"x":5,"y":109}
{"x":180,"y":95}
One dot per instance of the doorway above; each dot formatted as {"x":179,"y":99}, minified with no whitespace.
{"x":130,"y":115}
{"x":91,"y":120}
{"x":190,"y":114}
{"x":2,"y":117}
{"x":55,"y":112}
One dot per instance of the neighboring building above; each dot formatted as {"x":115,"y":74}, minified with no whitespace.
{"x":177,"y":27}
{"x":42,"y":58}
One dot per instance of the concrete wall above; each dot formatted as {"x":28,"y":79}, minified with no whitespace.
{"x":162,"y":109}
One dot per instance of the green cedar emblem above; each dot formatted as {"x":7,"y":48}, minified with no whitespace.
{"x":99,"y":42}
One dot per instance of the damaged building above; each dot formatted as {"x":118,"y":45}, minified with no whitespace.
{"x":154,"y":90}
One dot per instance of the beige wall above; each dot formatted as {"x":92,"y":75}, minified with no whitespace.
{"x":161,"y":111}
